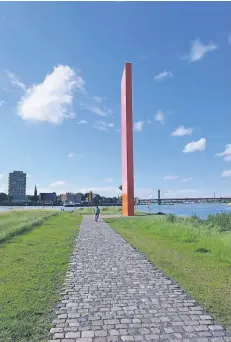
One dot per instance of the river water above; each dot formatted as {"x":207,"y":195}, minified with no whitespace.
{"x":201,"y":210}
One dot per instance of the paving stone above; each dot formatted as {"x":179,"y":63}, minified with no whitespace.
{"x":127,"y":338}
{"x":100,"y":333}
{"x":215,"y":327}
{"x":88,"y":333}
{"x":112,"y":293}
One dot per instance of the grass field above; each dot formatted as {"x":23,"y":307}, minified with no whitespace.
{"x":32,"y":272}
{"x":16,"y":222}
{"x":196,"y":253}
{"x":103,"y":210}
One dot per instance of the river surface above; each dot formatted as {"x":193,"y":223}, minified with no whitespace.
{"x":201,"y":210}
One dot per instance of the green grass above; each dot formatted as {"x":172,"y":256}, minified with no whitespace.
{"x":196,"y":254}
{"x":16,"y":222}
{"x":32,"y":272}
{"x":104,"y":210}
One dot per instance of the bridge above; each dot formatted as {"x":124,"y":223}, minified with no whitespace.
{"x":184,"y":200}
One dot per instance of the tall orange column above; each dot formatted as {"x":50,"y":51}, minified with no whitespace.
{"x":127,"y":142}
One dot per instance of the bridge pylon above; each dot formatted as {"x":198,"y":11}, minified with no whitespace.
{"x":159,"y":200}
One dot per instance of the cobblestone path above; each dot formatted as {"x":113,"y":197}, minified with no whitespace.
{"x":113,"y":293}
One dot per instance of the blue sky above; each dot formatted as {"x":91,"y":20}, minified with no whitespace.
{"x":60,"y":74}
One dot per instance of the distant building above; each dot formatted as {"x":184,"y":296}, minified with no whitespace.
{"x":17,"y":186}
{"x":47,"y":197}
{"x":70,"y":197}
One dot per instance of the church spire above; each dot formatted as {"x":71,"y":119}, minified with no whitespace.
{"x":35,"y":191}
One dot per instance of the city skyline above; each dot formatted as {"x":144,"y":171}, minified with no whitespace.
{"x":83,"y":191}
{"x":60,"y":97}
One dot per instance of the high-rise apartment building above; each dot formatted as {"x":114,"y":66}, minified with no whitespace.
{"x":17,"y":186}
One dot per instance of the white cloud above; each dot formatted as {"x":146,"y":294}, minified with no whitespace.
{"x":96,"y":109}
{"x":138,"y":126}
{"x":98,"y":99}
{"x":159,"y":116}
{"x":194,"y":146}
{"x":103,"y":125}
{"x":181,"y":131}
{"x":28,"y":175}
{"x":57,"y":184}
{"x":1,"y":175}
{"x":226,"y":154}
{"x":171,"y":177}
{"x":2,"y":103}
{"x":226,"y":173}
{"x":109,"y":180}
{"x":81,"y":122}
{"x":199,"y":50}
{"x":51,"y":100}
{"x":15,"y":81}
{"x":70,"y":155}
{"x":163,"y":75}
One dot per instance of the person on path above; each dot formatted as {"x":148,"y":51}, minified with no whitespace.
{"x":97,"y":212}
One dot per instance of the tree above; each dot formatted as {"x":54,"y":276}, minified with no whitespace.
{"x":3,"y":197}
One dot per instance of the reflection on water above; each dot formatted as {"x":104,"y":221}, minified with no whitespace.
{"x":201,"y":210}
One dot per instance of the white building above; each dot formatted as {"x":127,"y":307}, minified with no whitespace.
{"x":17,"y":186}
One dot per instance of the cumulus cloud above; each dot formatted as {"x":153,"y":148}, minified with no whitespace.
{"x":57,"y":184}
{"x":82,"y":122}
{"x":194,"y":146}
{"x":2,"y":103}
{"x":181,"y":131}
{"x":51,"y":100}
{"x":226,"y":173}
{"x":163,"y":75}
{"x":226,"y":153}
{"x":159,"y":117}
{"x":70,"y":155}
{"x":199,"y":50}
{"x":15,"y":81}
{"x":138,"y":126}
